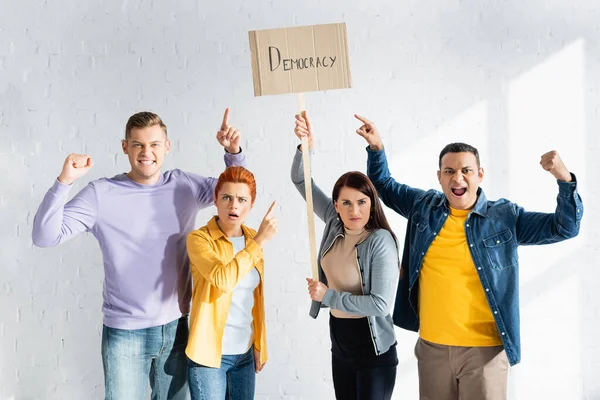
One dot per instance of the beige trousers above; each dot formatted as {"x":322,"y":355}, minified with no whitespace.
{"x":461,"y":373}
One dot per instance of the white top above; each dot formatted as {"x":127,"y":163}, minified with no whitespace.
{"x":239,"y":331}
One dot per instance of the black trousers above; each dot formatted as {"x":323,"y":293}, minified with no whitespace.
{"x":358,"y":373}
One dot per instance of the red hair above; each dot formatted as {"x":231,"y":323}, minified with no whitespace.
{"x":237,"y":175}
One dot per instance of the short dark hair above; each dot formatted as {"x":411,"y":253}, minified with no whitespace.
{"x":459,"y":148}
{"x":144,"y":119}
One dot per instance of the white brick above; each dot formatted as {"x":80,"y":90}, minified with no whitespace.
{"x":72,"y":73}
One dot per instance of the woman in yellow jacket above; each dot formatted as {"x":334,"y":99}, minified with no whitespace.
{"x":227,"y":343}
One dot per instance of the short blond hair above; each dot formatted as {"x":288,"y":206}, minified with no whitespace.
{"x":144,"y":119}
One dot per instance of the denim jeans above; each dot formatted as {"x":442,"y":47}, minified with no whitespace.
{"x":234,"y":380}
{"x":131,"y":358}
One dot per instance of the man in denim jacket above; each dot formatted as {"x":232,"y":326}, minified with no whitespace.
{"x":459,"y":282}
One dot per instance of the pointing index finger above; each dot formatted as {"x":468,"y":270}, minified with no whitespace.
{"x":363,"y":120}
{"x":270,"y":210}
{"x":225,"y":119}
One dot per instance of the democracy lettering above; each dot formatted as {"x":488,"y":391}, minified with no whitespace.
{"x":298,"y":63}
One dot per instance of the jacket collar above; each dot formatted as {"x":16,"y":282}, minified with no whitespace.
{"x":216,"y":232}
{"x":480,"y":205}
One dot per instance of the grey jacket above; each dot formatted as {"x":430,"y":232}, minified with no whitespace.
{"x":377,"y":258}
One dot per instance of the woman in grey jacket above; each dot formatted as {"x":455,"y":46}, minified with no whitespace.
{"x":358,"y":273}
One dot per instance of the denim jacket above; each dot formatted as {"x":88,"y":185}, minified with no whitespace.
{"x":494,"y":230}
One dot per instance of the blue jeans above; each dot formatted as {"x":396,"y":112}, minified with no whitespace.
{"x":234,"y":380}
{"x":131,"y":358}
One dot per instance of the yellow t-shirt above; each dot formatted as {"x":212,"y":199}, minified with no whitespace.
{"x":453,"y":308}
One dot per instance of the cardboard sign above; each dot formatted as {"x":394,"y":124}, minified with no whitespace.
{"x":300,"y":59}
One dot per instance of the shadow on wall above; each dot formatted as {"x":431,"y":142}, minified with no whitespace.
{"x":550,"y":106}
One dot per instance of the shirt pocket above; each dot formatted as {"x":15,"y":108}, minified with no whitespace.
{"x":500,"y":250}
{"x":418,"y":228}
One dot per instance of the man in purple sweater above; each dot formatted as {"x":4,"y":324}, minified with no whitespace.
{"x":141,"y":220}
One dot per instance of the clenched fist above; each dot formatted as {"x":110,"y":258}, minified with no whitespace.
{"x":75,"y":166}
{"x":552,"y":163}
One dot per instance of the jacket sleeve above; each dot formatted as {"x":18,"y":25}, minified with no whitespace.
{"x":535,"y":228}
{"x":397,"y":196}
{"x":322,"y":204}
{"x":206,"y":260}
{"x":384,"y":269}
{"x":56,"y":222}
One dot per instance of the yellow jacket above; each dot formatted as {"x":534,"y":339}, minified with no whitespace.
{"x":216,"y":271}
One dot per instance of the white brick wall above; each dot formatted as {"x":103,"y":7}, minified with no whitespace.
{"x":513,"y":78}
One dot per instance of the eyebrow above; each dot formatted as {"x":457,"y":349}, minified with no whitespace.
{"x":452,"y":169}
{"x":230,"y":195}
{"x":156,"y":141}
{"x":362,"y":198}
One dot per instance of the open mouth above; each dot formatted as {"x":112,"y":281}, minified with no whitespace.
{"x":459,"y":191}
{"x":146,"y":162}
{"x":232,"y":215}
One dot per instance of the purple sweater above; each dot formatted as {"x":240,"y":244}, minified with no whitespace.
{"x":142,"y":231}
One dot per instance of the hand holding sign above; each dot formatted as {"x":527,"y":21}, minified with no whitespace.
{"x":304,"y":128}
{"x":369,"y":131}
{"x":228,"y":136}
{"x":297,"y":60}
{"x":316,"y":289}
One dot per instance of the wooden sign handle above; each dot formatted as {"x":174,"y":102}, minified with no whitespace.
{"x":309,"y":198}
